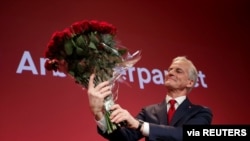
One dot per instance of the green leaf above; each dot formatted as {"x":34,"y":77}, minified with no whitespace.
{"x":107,"y":39}
{"x":73,"y":43}
{"x":78,"y":79}
{"x":72,"y":73}
{"x":80,"y":67}
{"x":68,"y":47}
{"x":92,"y":45}
{"x":80,"y":41}
{"x":93,"y":37}
{"x":79,"y":51}
{"x":122,"y":51}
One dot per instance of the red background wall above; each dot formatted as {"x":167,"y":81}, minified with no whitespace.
{"x":39,"y":107}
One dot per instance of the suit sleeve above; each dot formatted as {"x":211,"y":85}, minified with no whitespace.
{"x":199,"y":116}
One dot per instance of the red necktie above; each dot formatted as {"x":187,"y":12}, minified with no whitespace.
{"x":171,"y":110}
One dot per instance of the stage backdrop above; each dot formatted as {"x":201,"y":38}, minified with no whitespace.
{"x":36,"y":105}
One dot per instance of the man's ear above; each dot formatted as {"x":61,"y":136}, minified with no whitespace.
{"x":190,"y":83}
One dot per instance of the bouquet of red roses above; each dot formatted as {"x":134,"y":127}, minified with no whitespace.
{"x":88,"y":47}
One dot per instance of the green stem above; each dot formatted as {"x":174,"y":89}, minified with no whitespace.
{"x":110,"y":126}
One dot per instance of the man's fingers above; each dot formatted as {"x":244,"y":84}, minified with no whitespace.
{"x":101,"y":85}
{"x":91,"y":81}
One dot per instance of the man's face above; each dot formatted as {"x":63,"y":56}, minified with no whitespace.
{"x":177,"y":77}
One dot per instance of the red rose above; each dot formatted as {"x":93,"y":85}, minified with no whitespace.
{"x":51,"y":65}
{"x":76,"y":27}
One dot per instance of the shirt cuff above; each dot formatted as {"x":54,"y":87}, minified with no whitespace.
{"x":145,"y":129}
{"x":102,"y":124}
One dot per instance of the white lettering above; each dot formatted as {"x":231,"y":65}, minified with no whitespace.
{"x":201,"y":77}
{"x":224,"y":132}
{"x":193,"y":133}
{"x":42,"y":68}
{"x":158,"y":78}
{"x":29,"y":67}
{"x":143,"y":80}
{"x":145,"y":76}
{"x":60,"y":74}
{"x":130,"y":74}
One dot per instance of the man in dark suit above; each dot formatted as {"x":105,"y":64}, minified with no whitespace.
{"x":152,"y":121}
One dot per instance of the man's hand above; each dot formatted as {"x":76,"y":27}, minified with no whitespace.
{"x":97,"y":95}
{"x":119,"y":115}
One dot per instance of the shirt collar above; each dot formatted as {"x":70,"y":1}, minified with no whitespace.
{"x":179,"y":99}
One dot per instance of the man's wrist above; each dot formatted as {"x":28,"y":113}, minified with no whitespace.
{"x":140,"y":124}
{"x":99,"y":115}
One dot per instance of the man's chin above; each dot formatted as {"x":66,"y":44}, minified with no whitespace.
{"x":168,"y":84}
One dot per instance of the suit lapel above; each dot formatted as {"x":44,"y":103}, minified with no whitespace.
{"x":162,"y":113}
{"x":181,"y":111}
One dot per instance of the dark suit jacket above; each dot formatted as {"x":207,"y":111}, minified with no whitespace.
{"x":186,"y":114}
